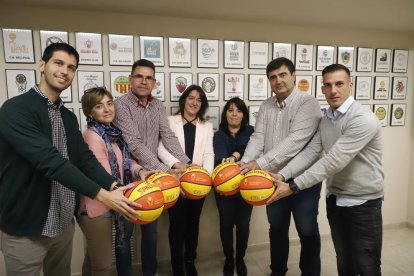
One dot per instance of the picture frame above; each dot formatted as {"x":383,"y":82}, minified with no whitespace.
{"x":119,"y":83}
{"x":233,"y":86}
{"x":282,"y":50}
{"x":89,"y":47}
{"x":346,"y":56}
{"x":18,"y":46}
{"x":89,"y":79}
{"x":304,"y":83}
{"x":364,"y":60}
{"x":381,"y":88}
{"x":233,"y":54}
{"x":258,"y":87}
{"x":66,"y":95}
{"x":213,"y":115}
{"x":399,"y":88}
{"x":152,"y":48}
{"x":258,"y":55}
{"x":253,"y":112}
{"x":179,"y":50}
{"x":304,"y":57}
{"x":324,"y":56}
{"x":381,"y":111}
{"x":318,"y":88}
{"x":19,"y":81}
{"x":83,"y":124}
{"x":207,"y":53}
{"x":382,"y":60}
{"x":398,"y":114}
{"x":178,"y":83}
{"x":400,"y":61}
{"x":121,"y":49}
{"x":210,"y":84}
{"x":159,"y":89}
{"x":363,"y":87}
{"x":50,"y":37}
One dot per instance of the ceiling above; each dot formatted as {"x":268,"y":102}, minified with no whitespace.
{"x":386,"y":15}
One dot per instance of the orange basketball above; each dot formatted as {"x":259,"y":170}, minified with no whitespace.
{"x":151,"y":199}
{"x":195,"y":182}
{"x":226,"y":178}
{"x":256,"y":187}
{"x":169,"y":186}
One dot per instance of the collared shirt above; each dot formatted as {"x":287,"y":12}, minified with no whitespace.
{"x":62,"y":199}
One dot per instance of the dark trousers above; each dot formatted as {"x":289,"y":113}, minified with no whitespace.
{"x":123,"y":229}
{"x":184,"y":226}
{"x":304,"y":207}
{"x":357,"y":236}
{"x":234,"y":211}
{"x":149,"y":248}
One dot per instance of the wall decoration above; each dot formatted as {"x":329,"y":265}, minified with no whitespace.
{"x":213,"y":115}
{"x":346,"y":56}
{"x":179,"y":82}
{"x":381,"y":88}
{"x":257,"y":87}
{"x":381,"y":111}
{"x":179,"y":52}
{"x":400,"y":61}
{"x":119,"y":83}
{"x":89,"y":79}
{"x":18,"y":46}
{"x":364,"y":61}
{"x":253,"y":112}
{"x":207,"y":53}
{"x":121,"y":49}
{"x":398,"y":112}
{"x":318,"y":89}
{"x":324,"y":57}
{"x":233,"y":86}
{"x":83,"y":123}
{"x":382,"y":60}
{"x":49,"y":37}
{"x":304,"y":57}
{"x":152,"y":48}
{"x":159,"y":88}
{"x":304,"y":84}
{"x":89,"y":47}
{"x":210,"y":84}
{"x":399,"y":88}
{"x":363,"y":88}
{"x":233,"y":54}
{"x":19,"y":81}
{"x":66,"y":95}
{"x":282,"y":50}
{"x":258,"y":55}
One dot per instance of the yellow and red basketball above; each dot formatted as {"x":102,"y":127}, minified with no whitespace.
{"x":256,"y":187}
{"x":226,"y":178}
{"x":195,"y":182}
{"x":169,"y":186}
{"x":151,"y":199}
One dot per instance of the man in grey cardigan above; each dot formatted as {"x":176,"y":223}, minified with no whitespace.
{"x":350,"y":137}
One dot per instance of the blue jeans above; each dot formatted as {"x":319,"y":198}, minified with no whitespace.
{"x":123,"y":233}
{"x":234,"y":211}
{"x":357,"y":236}
{"x":149,"y":248}
{"x":304,"y":207}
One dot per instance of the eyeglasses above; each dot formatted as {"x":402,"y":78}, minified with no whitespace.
{"x":141,"y":78}
{"x":96,"y":89}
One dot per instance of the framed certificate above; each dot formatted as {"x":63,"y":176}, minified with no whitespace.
{"x":82,"y":119}
{"x":18,"y":46}
{"x":364,"y":61}
{"x":381,"y":88}
{"x":324,"y":57}
{"x":210,"y":84}
{"x":346,"y":56}
{"x":381,"y":111}
{"x":213,"y":115}
{"x":282,"y":50}
{"x":318,"y":88}
{"x":399,"y":88}
{"x":257,"y":87}
{"x":233,"y":86}
{"x":382,"y":60}
{"x":363,"y":88}
{"x":121,"y":49}
{"x":159,"y":88}
{"x":233,"y":54}
{"x":304,"y":57}
{"x":89,"y":47}
{"x":304,"y":84}
{"x":19,"y":81}
{"x":398,"y":112}
{"x":400,"y":61}
{"x":179,"y":82}
{"x":253,"y":112}
{"x":119,"y":83}
{"x":89,"y":79}
{"x":152,"y":48}
{"x":179,"y":50}
{"x":258,"y":55}
{"x":207,"y":53}
{"x":66,"y":95}
{"x":50,"y":37}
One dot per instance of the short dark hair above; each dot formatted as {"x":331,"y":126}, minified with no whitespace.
{"x":279,"y":62}
{"x":143,"y":63}
{"x":92,"y":97}
{"x":224,"y":125}
{"x":204,"y":102}
{"x":336,"y":67}
{"x":60,"y":46}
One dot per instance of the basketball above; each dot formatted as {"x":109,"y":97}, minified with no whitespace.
{"x":256,"y":187}
{"x":151,"y":199}
{"x":195,"y":182}
{"x":226,"y":178}
{"x":169,"y":185}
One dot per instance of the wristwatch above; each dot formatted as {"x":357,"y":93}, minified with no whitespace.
{"x":293,"y":187}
